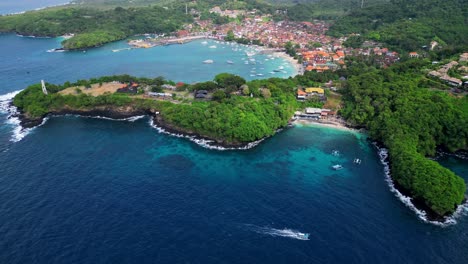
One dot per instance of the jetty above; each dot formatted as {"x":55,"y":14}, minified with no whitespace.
{"x":153,"y":42}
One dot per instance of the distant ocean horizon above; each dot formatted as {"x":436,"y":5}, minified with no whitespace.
{"x":20,"y":6}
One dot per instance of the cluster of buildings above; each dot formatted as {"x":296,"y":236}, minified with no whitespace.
{"x":443,"y":72}
{"x":315,"y":113}
{"x":277,"y":34}
{"x":129,"y":88}
{"x":311,"y":92}
{"x":227,"y":12}
{"x":320,"y":60}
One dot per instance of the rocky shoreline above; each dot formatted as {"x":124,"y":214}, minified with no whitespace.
{"x":121,"y":113}
{"x":417,"y":205}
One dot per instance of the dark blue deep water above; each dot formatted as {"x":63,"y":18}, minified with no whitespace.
{"x":84,"y":190}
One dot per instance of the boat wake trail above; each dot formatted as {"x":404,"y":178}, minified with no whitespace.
{"x":448,"y":221}
{"x":286,"y":232}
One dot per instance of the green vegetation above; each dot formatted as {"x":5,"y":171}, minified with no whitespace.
{"x":410,"y":24}
{"x":95,"y":27}
{"x":229,"y":117}
{"x":411,"y":121}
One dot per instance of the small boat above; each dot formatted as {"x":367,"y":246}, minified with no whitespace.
{"x":277,"y":70}
{"x":208,"y":61}
{"x":280,"y":67}
{"x":229,"y":62}
{"x":357,"y":161}
{"x":212,"y":47}
{"x":304,"y":236}
{"x":337,"y":167}
{"x":259,"y":74}
{"x":204,"y":42}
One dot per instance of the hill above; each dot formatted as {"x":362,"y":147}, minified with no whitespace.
{"x":410,"y":24}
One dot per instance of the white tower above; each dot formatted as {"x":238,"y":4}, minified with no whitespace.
{"x":44,"y":89}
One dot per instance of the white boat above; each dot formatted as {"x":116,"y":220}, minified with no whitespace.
{"x":229,"y":62}
{"x":208,"y":61}
{"x":335,"y":153}
{"x":204,"y":42}
{"x":259,"y":74}
{"x":357,"y":161}
{"x":337,"y":167}
{"x":249,"y":53}
{"x":280,"y":67}
{"x":213,"y":47}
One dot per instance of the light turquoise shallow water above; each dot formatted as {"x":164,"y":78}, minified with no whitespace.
{"x":26,"y":61}
{"x":83,"y":190}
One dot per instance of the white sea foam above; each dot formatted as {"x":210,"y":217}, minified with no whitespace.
{"x":206,"y":143}
{"x":285,"y":232}
{"x":6,"y":107}
{"x":460,"y":211}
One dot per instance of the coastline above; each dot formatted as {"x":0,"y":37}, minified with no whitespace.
{"x":26,"y":123}
{"x":297,"y":66}
{"x":339,"y":125}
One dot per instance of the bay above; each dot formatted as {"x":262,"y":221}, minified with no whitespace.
{"x":85,"y":190}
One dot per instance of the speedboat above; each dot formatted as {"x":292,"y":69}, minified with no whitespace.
{"x":208,"y":61}
{"x":337,"y":167}
{"x":213,"y":47}
{"x":230,"y":62}
{"x":304,"y":236}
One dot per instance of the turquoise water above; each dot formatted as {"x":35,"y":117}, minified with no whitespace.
{"x":85,"y":190}
{"x":26,"y":61}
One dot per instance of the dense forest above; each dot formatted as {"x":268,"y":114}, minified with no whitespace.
{"x":410,"y":24}
{"x":266,"y":105}
{"x":398,"y":110}
{"x":95,"y":27}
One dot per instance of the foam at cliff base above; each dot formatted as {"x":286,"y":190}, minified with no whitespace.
{"x":448,"y":221}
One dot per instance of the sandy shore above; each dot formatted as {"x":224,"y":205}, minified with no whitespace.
{"x":323,"y":123}
{"x":297,"y":66}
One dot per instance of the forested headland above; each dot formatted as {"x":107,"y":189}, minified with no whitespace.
{"x":399,"y":110}
{"x":240,"y":112}
{"x":94,"y":27}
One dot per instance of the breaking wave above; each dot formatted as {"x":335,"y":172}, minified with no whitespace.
{"x":285,"y":232}
{"x":206,"y":143}
{"x":448,"y":221}
{"x":7,"y":108}
{"x":128,"y":119}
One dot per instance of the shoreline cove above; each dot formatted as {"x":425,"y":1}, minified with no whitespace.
{"x":20,"y":131}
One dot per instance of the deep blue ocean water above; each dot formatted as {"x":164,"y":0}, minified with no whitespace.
{"x":15,"y":6}
{"x":85,"y":190}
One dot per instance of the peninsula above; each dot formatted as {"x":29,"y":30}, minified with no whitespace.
{"x":375,"y":66}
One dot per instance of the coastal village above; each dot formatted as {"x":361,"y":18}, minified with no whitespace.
{"x":313,"y":49}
